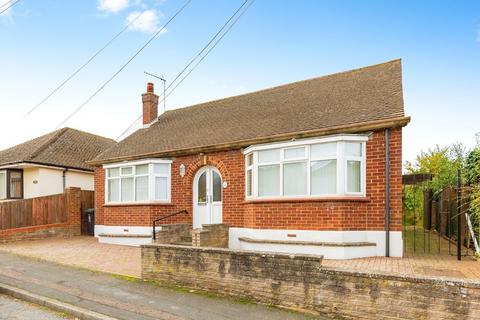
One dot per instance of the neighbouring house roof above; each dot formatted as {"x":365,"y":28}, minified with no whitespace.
{"x":325,"y":105}
{"x":66,"y":148}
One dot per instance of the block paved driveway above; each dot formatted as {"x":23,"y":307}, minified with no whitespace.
{"x":86,"y":252}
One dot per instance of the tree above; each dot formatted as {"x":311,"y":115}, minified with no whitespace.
{"x":472,"y":167}
{"x":442,"y":162}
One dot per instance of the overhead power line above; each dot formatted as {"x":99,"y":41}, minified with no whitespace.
{"x":209,"y":50}
{"x":238,"y":16}
{"x":124,"y":65}
{"x":11,"y":5}
{"x":83,"y":65}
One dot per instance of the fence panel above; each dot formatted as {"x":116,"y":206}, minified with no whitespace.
{"x":33,"y":212}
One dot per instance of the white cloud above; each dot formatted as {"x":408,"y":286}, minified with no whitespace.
{"x":147,"y":22}
{"x":112,"y":6}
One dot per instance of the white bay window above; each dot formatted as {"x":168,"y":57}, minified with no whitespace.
{"x":323,"y":167}
{"x":138,"y":182}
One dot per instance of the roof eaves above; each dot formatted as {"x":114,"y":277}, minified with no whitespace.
{"x":347,"y":128}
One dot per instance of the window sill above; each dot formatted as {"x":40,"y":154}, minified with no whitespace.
{"x":313,"y":199}
{"x":133,"y":204}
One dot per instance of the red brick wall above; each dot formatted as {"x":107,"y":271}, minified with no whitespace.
{"x":333,"y":214}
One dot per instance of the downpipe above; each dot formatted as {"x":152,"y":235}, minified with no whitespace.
{"x":387,"y":192}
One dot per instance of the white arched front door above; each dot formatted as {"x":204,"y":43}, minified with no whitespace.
{"x":207,"y":197}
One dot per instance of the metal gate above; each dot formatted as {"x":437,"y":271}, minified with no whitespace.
{"x":437,"y":223}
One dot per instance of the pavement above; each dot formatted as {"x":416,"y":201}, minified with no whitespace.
{"x":14,"y":309}
{"x":121,"y":297}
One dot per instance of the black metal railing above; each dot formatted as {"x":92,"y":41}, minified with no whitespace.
{"x":154,"y":223}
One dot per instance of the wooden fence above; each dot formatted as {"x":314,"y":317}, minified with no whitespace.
{"x":33,"y":212}
{"x":39,"y":211}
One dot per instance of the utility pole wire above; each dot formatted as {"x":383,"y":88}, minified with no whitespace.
{"x":6,"y":2}
{"x":213,"y":47}
{"x":215,"y":44}
{"x":125,"y":64}
{"x":83,"y":66}
{"x":207,"y":45}
{"x":11,"y":5}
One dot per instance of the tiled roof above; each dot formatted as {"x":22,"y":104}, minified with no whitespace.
{"x":67,"y":148}
{"x":358,"y":96}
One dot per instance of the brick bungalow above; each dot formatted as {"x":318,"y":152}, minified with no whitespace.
{"x":298,"y":168}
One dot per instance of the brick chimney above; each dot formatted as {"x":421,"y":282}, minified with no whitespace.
{"x":150,"y":105}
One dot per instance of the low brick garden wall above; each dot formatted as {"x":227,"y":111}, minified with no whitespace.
{"x":300,"y":282}
{"x":36,"y":232}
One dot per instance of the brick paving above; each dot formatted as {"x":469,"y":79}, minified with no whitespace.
{"x":86,"y":252}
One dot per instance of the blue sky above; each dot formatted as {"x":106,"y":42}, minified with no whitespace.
{"x":275,"y":42}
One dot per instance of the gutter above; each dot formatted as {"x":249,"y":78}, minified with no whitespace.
{"x":17,"y":164}
{"x":347,"y":128}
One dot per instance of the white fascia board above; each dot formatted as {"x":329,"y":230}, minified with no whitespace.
{"x":137,"y":162}
{"x":299,"y":142}
{"x":24,"y":165}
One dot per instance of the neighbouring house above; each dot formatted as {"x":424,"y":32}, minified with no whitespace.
{"x":298,"y":168}
{"x":48,"y":164}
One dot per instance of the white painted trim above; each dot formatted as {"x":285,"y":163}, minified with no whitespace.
{"x":377,"y":237}
{"x":300,"y":142}
{"x":34,"y":165}
{"x":134,"y":163}
{"x":121,"y":230}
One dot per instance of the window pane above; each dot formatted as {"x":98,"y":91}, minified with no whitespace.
{"x":16,"y":184}
{"x":269,"y":180}
{"x":217,"y":186}
{"x":143,"y":169}
{"x":161,"y":188}
{"x":295,"y":179}
{"x":127,"y":189}
{"x":202,"y":188}
{"x":113,"y":190}
{"x":114,"y":172}
{"x":249,"y":183}
{"x":126,"y":171}
{"x":267,"y":156}
{"x":161,"y":168}
{"x":353,"y":149}
{"x":141,"y":188}
{"x":250,"y":159}
{"x":294,"y":153}
{"x":3,"y":185}
{"x":324,"y":150}
{"x":323,"y":177}
{"x":353,"y":176}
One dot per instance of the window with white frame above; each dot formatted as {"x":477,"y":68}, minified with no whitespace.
{"x":141,"y":181}
{"x":331,"y":166}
